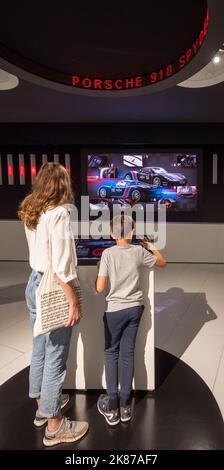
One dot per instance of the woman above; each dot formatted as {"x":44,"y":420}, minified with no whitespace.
{"x":43,"y":213}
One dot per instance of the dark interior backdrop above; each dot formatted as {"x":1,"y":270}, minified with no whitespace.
{"x":73,"y":138}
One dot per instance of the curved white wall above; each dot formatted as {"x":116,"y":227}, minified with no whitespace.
{"x":186,"y":242}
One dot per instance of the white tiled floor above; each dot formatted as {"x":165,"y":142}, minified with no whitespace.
{"x":189,"y":319}
{"x":15,"y":332}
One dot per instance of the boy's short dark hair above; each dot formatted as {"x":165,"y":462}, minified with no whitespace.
{"x":122,"y":226}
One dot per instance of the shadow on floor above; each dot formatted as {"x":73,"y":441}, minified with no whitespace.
{"x":11,"y":294}
{"x":179,"y":316}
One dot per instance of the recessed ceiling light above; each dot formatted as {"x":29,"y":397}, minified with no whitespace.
{"x":7,"y":80}
{"x":211,"y":74}
{"x":216,"y":59}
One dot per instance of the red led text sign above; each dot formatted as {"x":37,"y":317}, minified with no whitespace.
{"x":139,"y":81}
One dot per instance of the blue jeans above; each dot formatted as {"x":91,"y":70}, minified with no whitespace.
{"x":121,"y":328}
{"x":49,"y":356}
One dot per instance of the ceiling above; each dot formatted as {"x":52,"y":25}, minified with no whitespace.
{"x":98,"y":42}
{"x":32,"y":102}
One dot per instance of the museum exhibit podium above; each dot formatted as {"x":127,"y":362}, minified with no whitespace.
{"x":85,"y":369}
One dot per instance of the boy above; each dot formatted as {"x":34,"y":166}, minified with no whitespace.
{"x":120,"y":266}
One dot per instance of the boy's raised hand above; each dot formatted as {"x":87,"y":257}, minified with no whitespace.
{"x":161,"y":261}
{"x":147,"y":244}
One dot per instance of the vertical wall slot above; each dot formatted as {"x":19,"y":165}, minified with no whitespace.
{"x":33,"y":168}
{"x":44,"y":158}
{"x":21,"y":169}
{"x":68,"y":163}
{"x":10,"y":169}
{"x":1,"y":182}
{"x":215,"y":168}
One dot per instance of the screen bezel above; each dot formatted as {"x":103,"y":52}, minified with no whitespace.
{"x":180,"y":216}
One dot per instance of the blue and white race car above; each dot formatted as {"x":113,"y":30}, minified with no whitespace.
{"x":137,"y":192}
{"x":124,"y":189}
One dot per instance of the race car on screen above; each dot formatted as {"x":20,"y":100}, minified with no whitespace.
{"x":157,"y":176}
{"x":137,"y":192}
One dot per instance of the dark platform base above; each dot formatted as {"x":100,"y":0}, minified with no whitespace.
{"x":181,"y":414}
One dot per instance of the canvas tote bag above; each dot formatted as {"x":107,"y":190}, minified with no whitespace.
{"x":52,"y":308}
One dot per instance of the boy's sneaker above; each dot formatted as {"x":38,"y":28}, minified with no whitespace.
{"x":69,"y":431}
{"x":112,"y":417}
{"x":40,"y":421}
{"x":126,"y":413}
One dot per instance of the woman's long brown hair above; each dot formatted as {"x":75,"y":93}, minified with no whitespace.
{"x":52,"y":188}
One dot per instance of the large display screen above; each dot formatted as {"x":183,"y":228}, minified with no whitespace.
{"x":127,"y":178}
{"x":90,"y":251}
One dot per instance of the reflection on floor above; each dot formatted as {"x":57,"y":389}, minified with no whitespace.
{"x":182,"y":414}
{"x":189,"y":319}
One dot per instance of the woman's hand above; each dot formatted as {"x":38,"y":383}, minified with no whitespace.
{"x":74,"y":316}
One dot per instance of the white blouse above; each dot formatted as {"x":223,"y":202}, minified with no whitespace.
{"x":64,"y":260}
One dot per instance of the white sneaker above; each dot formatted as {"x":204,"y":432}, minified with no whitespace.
{"x":69,"y":431}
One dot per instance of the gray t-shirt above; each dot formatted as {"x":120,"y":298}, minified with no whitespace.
{"x":122,"y":265}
